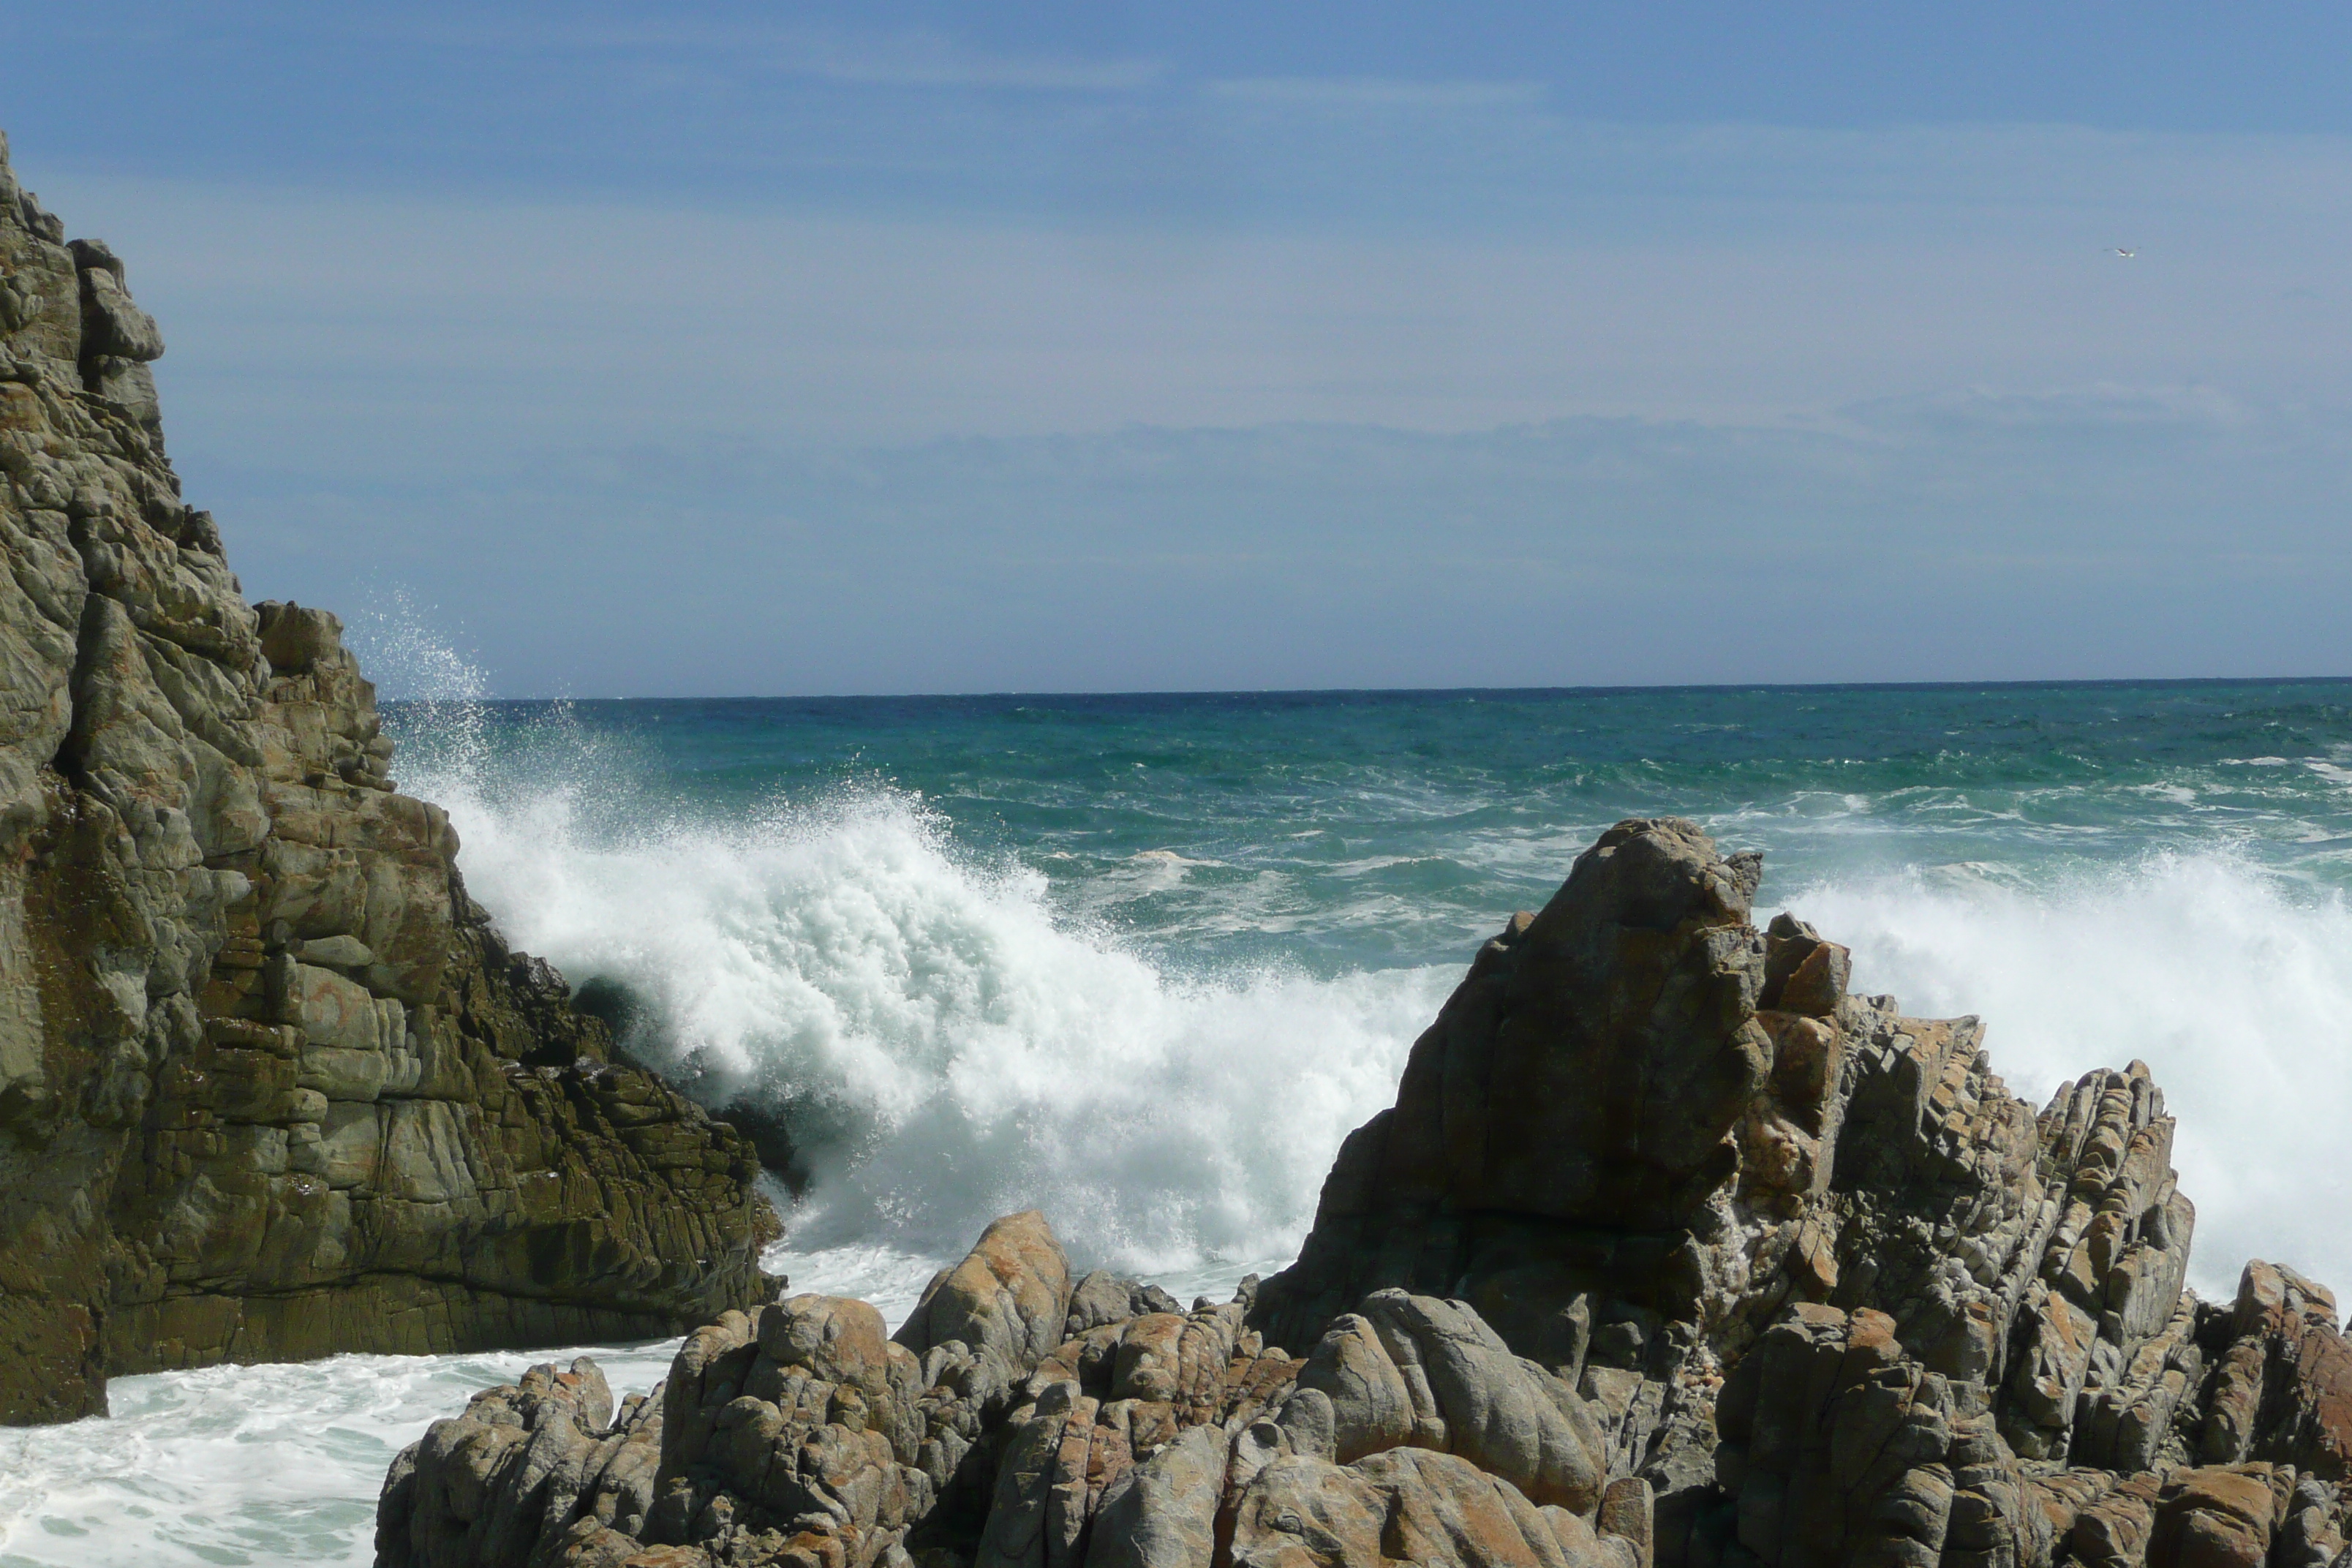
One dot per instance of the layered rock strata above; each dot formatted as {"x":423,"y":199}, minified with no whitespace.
{"x":271,"y":1086}
{"x":1670,"y":1252}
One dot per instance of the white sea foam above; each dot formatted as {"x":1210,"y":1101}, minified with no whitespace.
{"x":263,"y":1465}
{"x":945,"y":1047}
{"x":2234,"y":986}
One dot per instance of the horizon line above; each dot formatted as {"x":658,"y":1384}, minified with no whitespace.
{"x":1326,"y":691}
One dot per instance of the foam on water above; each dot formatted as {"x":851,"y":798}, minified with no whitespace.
{"x":943,"y":1045}
{"x":244,"y":1464}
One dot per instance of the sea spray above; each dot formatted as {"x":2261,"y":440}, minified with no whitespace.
{"x":274,"y":1465}
{"x":943,"y":1045}
{"x":2233,"y":983}
{"x":957,"y":1029}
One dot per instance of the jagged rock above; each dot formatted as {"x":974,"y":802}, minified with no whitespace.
{"x":1103,"y":1298}
{"x":504,"y":1482}
{"x":1606,"y":1087}
{"x":1409,"y":1506}
{"x":800,"y":1432}
{"x":271,"y":1086}
{"x":1006,"y":1304}
{"x":1837,"y":1445}
{"x":1845,"y":1301}
{"x":2281,"y":1386}
{"x":1163,"y":1514}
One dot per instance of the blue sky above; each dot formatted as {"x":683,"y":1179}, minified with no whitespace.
{"x":734,"y":349}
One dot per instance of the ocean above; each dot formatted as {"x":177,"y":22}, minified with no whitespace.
{"x":1143,"y":960}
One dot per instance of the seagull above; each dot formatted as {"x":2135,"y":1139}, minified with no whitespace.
{"x":2120,"y":250}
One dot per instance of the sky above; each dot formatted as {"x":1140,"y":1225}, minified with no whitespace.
{"x":748,"y":350}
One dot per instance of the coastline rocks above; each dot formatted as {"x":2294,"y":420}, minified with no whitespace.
{"x":1412,"y":1371}
{"x":1615,"y":1086}
{"x":802,"y":1436}
{"x":1812,"y":1288}
{"x":271,"y":1086}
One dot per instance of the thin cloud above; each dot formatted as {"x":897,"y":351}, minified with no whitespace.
{"x":915,"y":58}
{"x":933,"y":59}
{"x":1378,"y":92}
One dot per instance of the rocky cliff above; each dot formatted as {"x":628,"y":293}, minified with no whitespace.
{"x":1670,"y":1252}
{"x":270,"y":1084}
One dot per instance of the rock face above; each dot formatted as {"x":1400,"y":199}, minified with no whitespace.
{"x":1670,"y":1252}
{"x":270,"y":1085}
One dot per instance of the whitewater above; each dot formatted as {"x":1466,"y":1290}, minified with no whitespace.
{"x":1144,"y":960}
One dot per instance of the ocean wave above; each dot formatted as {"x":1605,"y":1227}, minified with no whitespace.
{"x":944,"y":1044}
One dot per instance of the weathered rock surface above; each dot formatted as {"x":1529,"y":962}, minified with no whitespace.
{"x":802,"y":1436}
{"x":270,"y":1085}
{"x":1670,"y":1252}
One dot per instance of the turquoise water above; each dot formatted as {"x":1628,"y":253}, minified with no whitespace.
{"x":1369,"y":830}
{"x":1144,"y":960}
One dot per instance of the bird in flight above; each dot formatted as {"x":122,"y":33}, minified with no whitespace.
{"x":2120,"y":250}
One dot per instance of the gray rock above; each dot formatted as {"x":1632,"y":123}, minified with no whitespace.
{"x":1413,"y":1371}
{"x":1165,"y":1514}
{"x":343,"y":951}
{"x":1846,"y":1300}
{"x":1007,"y":1301}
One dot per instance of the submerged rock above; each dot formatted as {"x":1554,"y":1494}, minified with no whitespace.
{"x":271,"y":1086}
{"x":1670,"y":1252}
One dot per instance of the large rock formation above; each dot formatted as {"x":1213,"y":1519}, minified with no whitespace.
{"x":1670,"y":1252}
{"x":270,"y":1084}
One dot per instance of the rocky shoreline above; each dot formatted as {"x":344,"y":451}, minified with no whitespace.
{"x":1670,"y":1252}
{"x":271,"y":1085}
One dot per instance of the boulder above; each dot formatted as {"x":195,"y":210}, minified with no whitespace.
{"x":504,"y":1482}
{"x":1607,"y":1083}
{"x":1007,"y":1302}
{"x":1410,"y":1371}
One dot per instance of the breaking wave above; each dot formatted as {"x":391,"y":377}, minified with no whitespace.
{"x":942,"y":1044}
{"x":2233,"y":982}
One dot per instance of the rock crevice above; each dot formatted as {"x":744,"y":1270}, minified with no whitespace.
{"x":271,"y":1085}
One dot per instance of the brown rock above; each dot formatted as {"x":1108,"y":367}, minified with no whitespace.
{"x":270,"y":1086}
{"x":1007,"y":1301}
{"x":2214,"y":1518}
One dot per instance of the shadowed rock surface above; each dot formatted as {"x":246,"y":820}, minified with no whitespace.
{"x":271,"y":1086}
{"x":1670,"y":1252}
